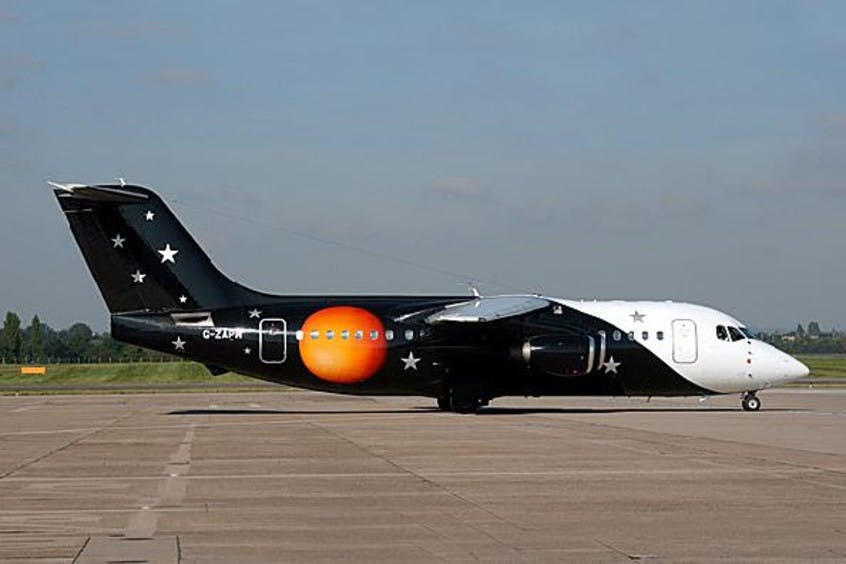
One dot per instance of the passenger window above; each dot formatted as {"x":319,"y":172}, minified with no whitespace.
{"x":359,"y":335}
{"x":330,"y":334}
{"x":617,"y":335}
{"x":631,"y":335}
{"x":389,"y":335}
{"x":409,"y":334}
{"x":735,"y":334}
{"x":722,"y":334}
{"x":660,"y":335}
{"x":645,"y":335}
{"x":315,"y":335}
{"x":374,"y":335}
{"x":345,"y":334}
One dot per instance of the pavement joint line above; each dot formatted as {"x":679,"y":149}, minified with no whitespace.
{"x":81,"y":550}
{"x":627,"y":555}
{"x":731,"y":462}
{"x":210,"y":425}
{"x":27,"y":408}
{"x":430,"y":483}
{"x":727,"y":470}
{"x":823,"y":484}
{"x":641,"y":435}
{"x":171,"y":492}
{"x":93,"y":431}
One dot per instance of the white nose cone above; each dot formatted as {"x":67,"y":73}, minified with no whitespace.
{"x":794,"y":369}
{"x":776,"y":367}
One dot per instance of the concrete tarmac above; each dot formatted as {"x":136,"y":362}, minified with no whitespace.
{"x":301,"y":476}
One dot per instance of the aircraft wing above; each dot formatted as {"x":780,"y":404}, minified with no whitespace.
{"x":485,"y":310}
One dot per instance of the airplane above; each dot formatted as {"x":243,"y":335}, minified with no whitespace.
{"x":164,"y":293}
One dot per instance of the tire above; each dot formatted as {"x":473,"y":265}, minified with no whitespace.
{"x":751,"y":403}
{"x":444,"y":403}
{"x":466,"y":405}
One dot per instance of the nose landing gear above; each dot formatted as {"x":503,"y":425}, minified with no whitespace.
{"x":750,"y":402}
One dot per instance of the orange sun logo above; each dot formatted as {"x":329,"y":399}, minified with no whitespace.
{"x":343,"y":344}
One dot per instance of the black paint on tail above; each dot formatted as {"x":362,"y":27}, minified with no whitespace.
{"x":140,"y":255}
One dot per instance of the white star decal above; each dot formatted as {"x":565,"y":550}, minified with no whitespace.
{"x":637,"y":317}
{"x":118,"y":241}
{"x":149,"y":215}
{"x":611,"y":366}
{"x":248,"y":350}
{"x":168,"y":254}
{"x":178,"y":344}
{"x":138,"y":278}
{"x":183,"y":299}
{"x":255,"y":314}
{"x":410,"y":361}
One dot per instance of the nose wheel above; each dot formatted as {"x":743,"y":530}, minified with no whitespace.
{"x":750,"y":402}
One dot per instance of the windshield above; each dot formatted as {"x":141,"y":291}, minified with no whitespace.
{"x":733,"y":334}
{"x":749,"y":334}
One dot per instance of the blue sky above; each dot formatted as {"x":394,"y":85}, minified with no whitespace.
{"x":661,"y":150}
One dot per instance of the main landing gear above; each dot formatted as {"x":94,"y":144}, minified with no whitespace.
{"x":461,"y":403}
{"x":750,"y":402}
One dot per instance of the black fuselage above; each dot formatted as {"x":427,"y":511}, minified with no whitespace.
{"x":488,"y":360}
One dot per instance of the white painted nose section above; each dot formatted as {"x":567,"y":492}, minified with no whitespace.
{"x":776,"y":367}
{"x":794,"y":369}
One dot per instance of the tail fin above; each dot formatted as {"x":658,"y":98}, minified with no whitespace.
{"x":140,"y":255}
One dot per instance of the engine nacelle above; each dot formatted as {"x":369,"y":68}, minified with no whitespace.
{"x":560,"y":355}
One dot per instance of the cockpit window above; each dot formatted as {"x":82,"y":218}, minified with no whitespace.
{"x":732,"y":334}
{"x":735,"y":334}
{"x":749,"y":334}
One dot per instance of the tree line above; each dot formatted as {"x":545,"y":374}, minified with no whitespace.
{"x":40,"y":343}
{"x":810,"y":340}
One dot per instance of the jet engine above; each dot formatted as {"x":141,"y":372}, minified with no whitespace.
{"x":560,"y":355}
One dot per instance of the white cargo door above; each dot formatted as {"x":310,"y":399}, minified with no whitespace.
{"x":684,"y":341}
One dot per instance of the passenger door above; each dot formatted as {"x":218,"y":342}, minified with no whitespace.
{"x":273,"y":342}
{"x":685,"y":348}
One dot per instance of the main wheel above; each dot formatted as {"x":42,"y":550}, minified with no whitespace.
{"x":750,"y":402}
{"x":466,"y":405}
{"x":444,"y":404}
